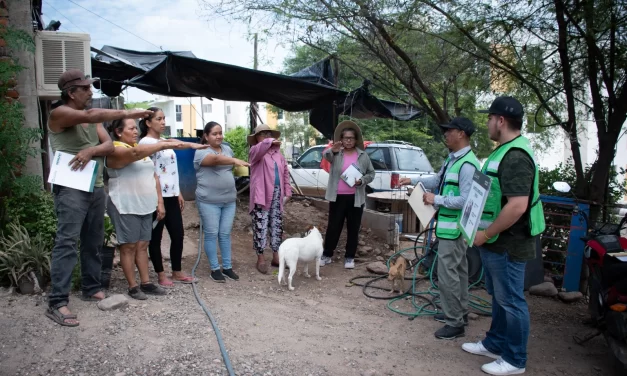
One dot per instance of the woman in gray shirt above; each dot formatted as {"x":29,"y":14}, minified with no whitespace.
{"x":215,"y":198}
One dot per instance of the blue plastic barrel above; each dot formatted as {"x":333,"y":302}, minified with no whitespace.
{"x":187,"y":174}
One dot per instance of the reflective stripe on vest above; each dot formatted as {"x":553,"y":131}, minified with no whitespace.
{"x":493,"y":204}
{"x":446,"y":227}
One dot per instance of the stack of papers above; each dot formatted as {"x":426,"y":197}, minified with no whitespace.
{"x":61,"y":173}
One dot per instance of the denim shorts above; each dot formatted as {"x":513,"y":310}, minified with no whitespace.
{"x":130,"y":228}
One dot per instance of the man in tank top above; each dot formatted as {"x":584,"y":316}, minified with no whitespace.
{"x":75,"y":130}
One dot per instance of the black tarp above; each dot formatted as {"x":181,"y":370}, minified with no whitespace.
{"x":181,"y":74}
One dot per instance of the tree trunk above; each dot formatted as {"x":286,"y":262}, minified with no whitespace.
{"x":581,"y":184}
{"x":598,"y":183}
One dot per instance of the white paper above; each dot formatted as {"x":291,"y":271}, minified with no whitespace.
{"x":622,"y":258}
{"x":351,"y":175}
{"x":423,"y":212}
{"x":61,"y":173}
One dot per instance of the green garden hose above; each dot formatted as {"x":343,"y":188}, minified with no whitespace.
{"x":425,"y":303}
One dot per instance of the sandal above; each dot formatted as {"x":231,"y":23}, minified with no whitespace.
{"x":55,"y":315}
{"x":185,"y":280}
{"x":166,"y":284}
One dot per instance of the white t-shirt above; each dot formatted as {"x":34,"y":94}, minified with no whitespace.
{"x":132,"y":187}
{"x":166,"y":168}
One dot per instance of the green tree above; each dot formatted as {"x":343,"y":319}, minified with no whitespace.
{"x":237,"y":139}
{"x":17,"y":142}
{"x":133,"y":105}
{"x":567,"y":60}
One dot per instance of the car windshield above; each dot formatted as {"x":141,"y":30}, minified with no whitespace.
{"x":412,"y":160}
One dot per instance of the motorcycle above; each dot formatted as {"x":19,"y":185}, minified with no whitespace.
{"x":605,"y":255}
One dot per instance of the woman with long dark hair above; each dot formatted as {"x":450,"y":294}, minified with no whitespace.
{"x":151,"y":131}
{"x":134,"y":195}
{"x":215,"y":198}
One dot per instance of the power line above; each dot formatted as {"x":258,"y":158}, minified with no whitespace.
{"x":64,"y":16}
{"x":116,"y":25}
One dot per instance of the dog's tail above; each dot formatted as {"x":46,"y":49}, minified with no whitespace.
{"x":281,"y":264}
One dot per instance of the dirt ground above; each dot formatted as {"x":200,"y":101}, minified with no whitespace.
{"x":321,"y":328}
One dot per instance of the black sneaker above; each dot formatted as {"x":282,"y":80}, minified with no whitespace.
{"x":217,"y":276}
{"x":136,"y":293}
{"x":152,"y":289}
{"x":440,"y":317}
{"x":450,"y":332}
{"x":230,"y":274}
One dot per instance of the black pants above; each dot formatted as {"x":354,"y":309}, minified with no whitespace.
{"x":343,"y":209}
{"x":173,"y":221}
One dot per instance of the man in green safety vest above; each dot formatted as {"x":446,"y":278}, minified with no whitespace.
{"x":453,"y":182}
{"x":511,"y":220}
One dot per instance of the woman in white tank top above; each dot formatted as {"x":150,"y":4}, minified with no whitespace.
{"x":134,"y":195}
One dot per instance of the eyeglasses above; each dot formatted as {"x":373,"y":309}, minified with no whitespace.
{"x":265,"y":133}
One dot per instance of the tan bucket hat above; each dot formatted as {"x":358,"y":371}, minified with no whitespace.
{"x":348,"y":124}
{"x":252,"y":138}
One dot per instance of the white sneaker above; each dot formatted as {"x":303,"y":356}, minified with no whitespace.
{"x":500,"y":367}
{"x":324,"y":260}
{"x":349,"y":263}
{"x":478,"y":349}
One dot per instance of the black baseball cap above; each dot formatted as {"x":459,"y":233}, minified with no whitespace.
{"x":461,"y":123}
{"x":505,"y":106}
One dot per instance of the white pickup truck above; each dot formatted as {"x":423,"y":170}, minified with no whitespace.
{"x":390,"y":159}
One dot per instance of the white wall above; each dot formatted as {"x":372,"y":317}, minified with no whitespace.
{"x":168,"y":110}
{"x":168,"y":104}
{"x":560,"y":152}
{"x":236,"y":114}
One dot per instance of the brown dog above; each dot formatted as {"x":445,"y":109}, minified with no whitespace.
{"x":397,"y":273}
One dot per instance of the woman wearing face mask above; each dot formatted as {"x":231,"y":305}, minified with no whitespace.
{"x":134,"y":194}
{"x":215,"y":198}
{"x":166,"y":168}
{"x":269,"y":191}
{"x":346,"y":203}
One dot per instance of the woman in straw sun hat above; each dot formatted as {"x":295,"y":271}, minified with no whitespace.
{"x":269,"y":191}
{"x":346,"y":198}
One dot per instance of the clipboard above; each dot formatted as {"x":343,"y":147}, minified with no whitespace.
{"x":473,"y":208}
{"x":424,"y":212}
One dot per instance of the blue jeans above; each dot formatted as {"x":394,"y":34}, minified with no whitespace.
{"x":217,"y":222}
{"x":509,"y":331}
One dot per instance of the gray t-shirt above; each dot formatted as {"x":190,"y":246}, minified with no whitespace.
{"x":215,"y":184}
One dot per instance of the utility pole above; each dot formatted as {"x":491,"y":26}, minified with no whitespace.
{"x":254,"y":110}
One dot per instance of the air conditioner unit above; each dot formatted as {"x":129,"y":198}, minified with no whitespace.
{"x":55,"y":53}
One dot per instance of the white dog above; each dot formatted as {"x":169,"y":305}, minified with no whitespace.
{"x":305,"y":249}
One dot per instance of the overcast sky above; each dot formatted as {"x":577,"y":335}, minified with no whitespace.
{"x":172,"y":25}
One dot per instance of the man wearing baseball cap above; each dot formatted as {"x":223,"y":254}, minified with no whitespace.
{"x":75,"y":130}
{"x":511,"y":221}
{"x":453,"y":183}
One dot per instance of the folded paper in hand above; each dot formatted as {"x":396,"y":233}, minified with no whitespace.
{"x":351,"y":174}
{"x":61,"y":173}
{"x":423,"y":211}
